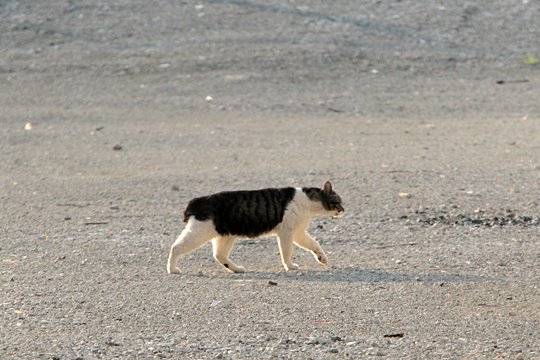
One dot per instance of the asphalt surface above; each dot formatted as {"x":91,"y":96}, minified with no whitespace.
{"x":424,"y":116}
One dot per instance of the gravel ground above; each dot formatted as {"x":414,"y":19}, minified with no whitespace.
{"x":424,"y":116}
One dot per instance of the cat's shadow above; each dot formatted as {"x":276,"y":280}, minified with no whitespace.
{"x":353,"y":275}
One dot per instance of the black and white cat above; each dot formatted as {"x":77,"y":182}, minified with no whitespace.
{"x":225,"y":216}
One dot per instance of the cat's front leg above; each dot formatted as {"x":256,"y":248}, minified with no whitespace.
{"x":286,"y":250}
{"x":305,"y":241}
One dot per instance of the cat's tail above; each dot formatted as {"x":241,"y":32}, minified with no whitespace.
{"x":200,"y":208}
{"x":187,"y":214}
{"x":190,"y":210}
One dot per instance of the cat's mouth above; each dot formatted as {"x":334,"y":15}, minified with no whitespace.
{"x":338,"y":214}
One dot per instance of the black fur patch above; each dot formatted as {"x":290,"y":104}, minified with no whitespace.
{"x":314,"y":194}
{"x":243,"y":213}
{"x":329,"y":199}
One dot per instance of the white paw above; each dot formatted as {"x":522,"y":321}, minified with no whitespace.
{"x":232,"y":267}
{"x":173,"y":270}
{"x":322,"y":259}
{"x":291,"y":267}
{"x":239,"y":269}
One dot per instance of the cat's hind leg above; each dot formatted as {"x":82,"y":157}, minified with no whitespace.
{"x":196,"y":234}
{"x":222,"y":249}
{"x":305,"y":241}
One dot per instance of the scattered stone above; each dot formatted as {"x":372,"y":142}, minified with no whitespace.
{"x":479,"y":217}
{"x":117,"y":147}
{"x":272,"y":283}
{"x":394,"y":335}
{"x":175,"y":188}
{"x":334,"y":110}
{"x":333,"y":351}
{"x":22,"y":27}
{"x":112,"y":343}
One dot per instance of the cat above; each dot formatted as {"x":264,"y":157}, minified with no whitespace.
{"x":284,"y":212}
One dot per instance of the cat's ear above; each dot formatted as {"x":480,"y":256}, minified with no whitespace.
{"x":327,"y":187}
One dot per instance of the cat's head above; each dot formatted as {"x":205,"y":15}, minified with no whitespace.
{"x":328,"y":200}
